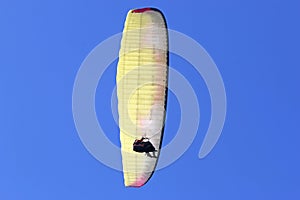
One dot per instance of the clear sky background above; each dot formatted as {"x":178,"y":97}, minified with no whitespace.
{"x":255,"y":45}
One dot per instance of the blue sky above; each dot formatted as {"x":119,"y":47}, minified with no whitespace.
{"x":255,"y":45}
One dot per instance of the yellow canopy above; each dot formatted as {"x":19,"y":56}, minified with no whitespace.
{"x":141,"y":89}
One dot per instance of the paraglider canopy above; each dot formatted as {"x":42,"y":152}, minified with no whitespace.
{"x":142,"y":78}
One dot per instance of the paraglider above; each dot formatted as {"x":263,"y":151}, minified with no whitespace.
{"x":142,"y":77}
{"x":144,"y":146}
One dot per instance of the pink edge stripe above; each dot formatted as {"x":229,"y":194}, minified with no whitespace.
{"x":141,"y":10}
{"x":139,"y":182}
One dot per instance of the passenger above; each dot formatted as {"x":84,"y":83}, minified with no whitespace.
{"x":142,"y":146}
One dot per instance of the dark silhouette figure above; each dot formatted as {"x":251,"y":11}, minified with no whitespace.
{"x":143,"y":145}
